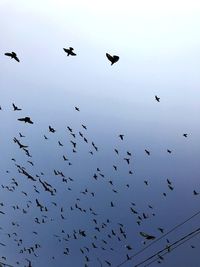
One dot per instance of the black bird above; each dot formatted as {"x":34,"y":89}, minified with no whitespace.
{"x":121,"y":136}
{"x":69,"y":51}
{"x":169,"y":151}
{"x":26,"y":119}
{"x":12,"y":55}
{"x":51,"y":129}
{"x":77,"y":109}
{"x":127,"y":160}
{"x":113,"y":59}
{"x":84,"y":126}
{"x":21,"y":135}
{"x":148,"y":153}
{"x":116,"y":151}
{"x":147,"y":236}
{"x":111,"y":204}
{"x":195,"y":192}
{"x":185,"y":135}
{"x":70,"y":129}
{"x":157,"y":98}
{"x":15,"y":107}
{"x":73,"y":143}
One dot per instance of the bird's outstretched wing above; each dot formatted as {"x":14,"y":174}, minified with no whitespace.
{"x":8,"y":54}
{"x":21,"y":119}
{"x":109,"y":57}
{"x":16,"y":58}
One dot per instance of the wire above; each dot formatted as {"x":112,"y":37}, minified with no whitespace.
{"x":171,"y":249}
{"x":5,"y":264}
{"x":158,"y":239}
{"x":176,"y":242}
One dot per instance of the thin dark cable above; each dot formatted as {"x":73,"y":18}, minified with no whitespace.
{"x":176,"y":242}
{"x":5,"y":264}
{"x":158,"y":239}
{"x":171,"y":249}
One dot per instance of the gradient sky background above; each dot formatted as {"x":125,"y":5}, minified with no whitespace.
{"x":158,"y":44}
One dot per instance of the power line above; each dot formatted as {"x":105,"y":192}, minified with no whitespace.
{"x":158,"y":239}
{"x":2,"y":264}
{"x":166,"y":248}
{"x":171,"y":249}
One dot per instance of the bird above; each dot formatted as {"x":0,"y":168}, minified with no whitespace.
{"x":69,"y":51}
{"x":15,"y":107}
{"x":195,"y":192}
{"x":121,"y":136}
{"x":113,"y":59}
{"x":26,"y":119}
{"x":157,"y":98}
{"x":147,"y":236}
{"x":77,"y":109}
{"x":12,"y":55}
{"x":185,"y":135}
{"x":85,"y":127}
{"x":148,"y":153}
{"x":51,"y":129}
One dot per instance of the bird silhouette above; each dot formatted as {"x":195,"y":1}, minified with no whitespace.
{"x":69,"y":51}
{"x":113,"y":59}
{"x":26,"y":120}
{"x":147,"y":236}
{"x":51,"y":129}
{"x":121,"y":136}
{"x":157,"y":98}
{"x":12,"y":55}
{"x":15,"y":107}
{"x":147,"y":152}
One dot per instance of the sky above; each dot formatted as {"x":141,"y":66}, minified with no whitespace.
{"x":158,"y":45}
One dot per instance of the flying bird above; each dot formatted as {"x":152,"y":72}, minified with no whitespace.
{"x":26,"y":119}
{"x":121,"y":136}
{"x":147,"y":236}
{"x":157,"y":98}
{"x":69,"y":51}
{"x":113,"y":59}
{"x":12,"y":55}
{"x":15,"y":107}
{"x":148,"y":153}
{"x":51,"y":129}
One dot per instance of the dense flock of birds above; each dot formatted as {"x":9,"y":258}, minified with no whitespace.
{"x":41,"y":197}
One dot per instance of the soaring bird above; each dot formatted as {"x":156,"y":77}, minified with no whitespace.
{"x":12,"y":55}
{"x":121,"y":136}
{"x":147,"y":236}
{"x":26,"y":119}
{"x":148,"y":153}
{"x":15,"y":107}
{"x":113,"y":59}
{"x":51,"y":129}
{"x":69,"y":51}
{"x":195,"y":192}
{"x":185,"y":135}
{"x":157,"y":98}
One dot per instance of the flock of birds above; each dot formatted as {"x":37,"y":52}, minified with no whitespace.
{"x":42,"y":191}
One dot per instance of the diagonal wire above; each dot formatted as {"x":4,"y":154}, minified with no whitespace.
{"x":171,"y":249}
{"x":176,"y":242}
{"x":158,"y":239}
